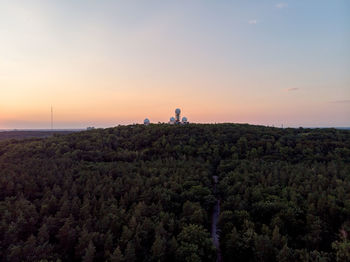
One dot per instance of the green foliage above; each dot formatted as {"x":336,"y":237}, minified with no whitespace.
{"x":342,"y":249}
{"x":195,"y":244}
{"x":145,"y":193}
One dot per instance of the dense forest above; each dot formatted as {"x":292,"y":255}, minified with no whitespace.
{"x":22,"y":134}
{"x":145,"y":193}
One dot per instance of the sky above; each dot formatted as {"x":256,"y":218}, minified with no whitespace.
{"x":104,"y":63}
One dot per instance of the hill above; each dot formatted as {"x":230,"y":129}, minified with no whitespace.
{"x":146,"y":193}
{"x":24,"y":134}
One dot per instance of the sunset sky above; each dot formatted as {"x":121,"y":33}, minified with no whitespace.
{"x":104,"y":63}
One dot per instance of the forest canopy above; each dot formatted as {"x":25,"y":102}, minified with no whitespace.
{"x":145,"y":193}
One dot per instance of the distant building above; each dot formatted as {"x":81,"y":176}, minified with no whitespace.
{"x":176,"y":119}
{"x":172,"y":120}
{"x":177,"y":115}
{"x":90,"y":128}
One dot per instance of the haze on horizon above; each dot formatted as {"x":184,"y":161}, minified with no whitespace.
{"x":103,"y":63}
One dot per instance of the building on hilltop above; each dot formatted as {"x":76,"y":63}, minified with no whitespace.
{"x":173,"y":120}
{"x":176,"y":119}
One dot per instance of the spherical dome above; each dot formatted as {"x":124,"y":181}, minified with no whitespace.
{"x":146,"y":121}
{"x":177,"y":111}
{"x":172,"y":119}
{"x":184,"y":119}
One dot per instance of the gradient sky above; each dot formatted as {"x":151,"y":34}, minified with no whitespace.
{"x":103,"y":63}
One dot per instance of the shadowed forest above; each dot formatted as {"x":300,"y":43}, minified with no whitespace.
{"x":19,"y":134}
{"x":145,"y":193}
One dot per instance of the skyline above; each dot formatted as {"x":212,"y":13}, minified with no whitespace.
{"x":110,"y":62}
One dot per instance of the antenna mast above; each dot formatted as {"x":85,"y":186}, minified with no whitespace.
{"x":51,"y":118}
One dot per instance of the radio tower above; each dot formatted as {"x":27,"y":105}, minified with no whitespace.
{"x":51,"y":118}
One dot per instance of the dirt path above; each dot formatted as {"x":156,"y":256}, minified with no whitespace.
{"x":214,"y":222}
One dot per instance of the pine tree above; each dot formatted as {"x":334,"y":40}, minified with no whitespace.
{"x":89,"y":253}
{"x":43,"y":235}
{"x":117,"y":255}
{"x":130,"y":255}
{"x":158,"y":248}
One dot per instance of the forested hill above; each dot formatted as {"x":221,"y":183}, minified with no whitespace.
{"x":24,"y":134}
{"x":145,"y":193}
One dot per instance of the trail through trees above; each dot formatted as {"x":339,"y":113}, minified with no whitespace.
{"x":215,"y":219}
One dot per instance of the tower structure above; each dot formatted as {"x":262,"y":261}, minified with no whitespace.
{"x":51,"y":118}
{"x":177,"y":115}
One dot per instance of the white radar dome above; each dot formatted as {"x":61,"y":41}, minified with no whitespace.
{"x":184,"y":119}
{"x":146,"y":121}
{"x":177,"y":111}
